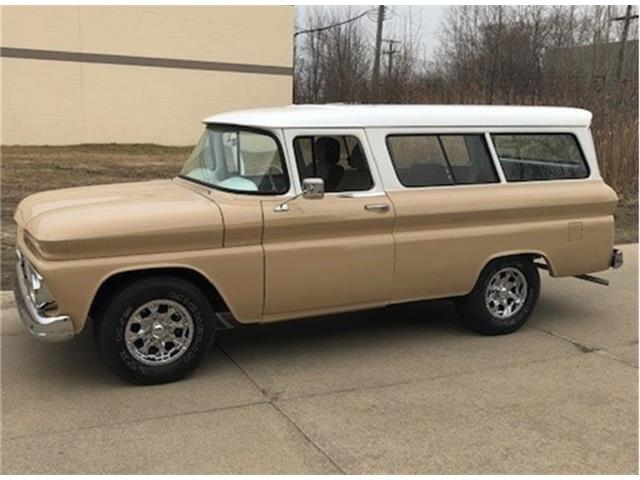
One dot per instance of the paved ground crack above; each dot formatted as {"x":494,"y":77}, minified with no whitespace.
{"x":307,"y":438}
{"x":615,"y":357}
{"x":587,"y":348}
{"x":131,"y":422}
{"x":584,"y":348}
{"x":272,"y":398}
{"x":340,"y":391}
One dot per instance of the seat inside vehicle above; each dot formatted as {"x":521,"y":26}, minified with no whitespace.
{"x":339,"y":161}
{"x":327,"y":158}
{"x":356,"y":177}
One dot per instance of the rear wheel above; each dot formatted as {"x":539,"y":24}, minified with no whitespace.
{"x":503,"y":298}
{"x":155,"y":330}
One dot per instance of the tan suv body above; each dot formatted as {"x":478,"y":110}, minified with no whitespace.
{"x":414,"y":202}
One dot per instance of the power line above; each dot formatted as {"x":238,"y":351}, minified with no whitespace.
{"x":619,"y":19}
{"x":328,"y":27}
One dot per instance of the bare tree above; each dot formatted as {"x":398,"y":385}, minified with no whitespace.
{"x":534,"y":54}
{"x":332,"y":64}
{"x":335,"y":64}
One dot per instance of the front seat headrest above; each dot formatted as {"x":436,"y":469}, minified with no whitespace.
{"x":328,"y":149}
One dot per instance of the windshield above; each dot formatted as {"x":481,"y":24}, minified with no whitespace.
{"x":238,"y":160}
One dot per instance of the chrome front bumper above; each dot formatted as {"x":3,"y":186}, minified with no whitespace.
{"x":48,"y":329}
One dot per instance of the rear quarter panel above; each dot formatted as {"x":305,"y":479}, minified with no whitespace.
{"x":445,"y":236}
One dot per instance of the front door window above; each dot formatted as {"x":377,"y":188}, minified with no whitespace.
{"x":338,"y":159}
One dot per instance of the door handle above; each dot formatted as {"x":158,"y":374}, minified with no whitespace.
{"x":377,"y":207}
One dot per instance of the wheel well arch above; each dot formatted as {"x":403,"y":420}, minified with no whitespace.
{"x":533,"y":254}
{"x":117,"y":280}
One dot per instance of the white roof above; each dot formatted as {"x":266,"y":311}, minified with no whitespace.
{"x":359,"y":116}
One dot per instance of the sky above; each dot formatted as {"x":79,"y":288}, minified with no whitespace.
{"x":426,"y":23}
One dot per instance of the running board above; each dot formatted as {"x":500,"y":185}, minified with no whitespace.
{"x":585,"y":277}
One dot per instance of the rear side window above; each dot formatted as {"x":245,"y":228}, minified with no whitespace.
{"x":530,"y":157}
{"x":433,"y":160}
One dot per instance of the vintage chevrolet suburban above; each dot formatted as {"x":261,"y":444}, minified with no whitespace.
{"x":306,"y":210}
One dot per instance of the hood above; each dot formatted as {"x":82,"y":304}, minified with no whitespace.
{"x":120,"y":219}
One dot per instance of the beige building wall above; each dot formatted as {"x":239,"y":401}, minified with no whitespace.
{"x":91,"y":81}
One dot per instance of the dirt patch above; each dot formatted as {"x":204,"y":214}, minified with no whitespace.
{"x":26,"y":170}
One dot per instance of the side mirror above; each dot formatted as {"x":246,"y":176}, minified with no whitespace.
{"x":313,"y":188}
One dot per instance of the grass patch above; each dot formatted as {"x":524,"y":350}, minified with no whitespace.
{"x":26,"y":170}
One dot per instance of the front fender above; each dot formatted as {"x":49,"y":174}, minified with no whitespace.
{"x":236,"y":273}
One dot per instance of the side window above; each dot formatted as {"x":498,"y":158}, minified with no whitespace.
{"x":419,"y":160}
{"x":338,"y":160}
{"x":434,"y":160}
{"x":528,"y":157}
{"x":469,"y":159}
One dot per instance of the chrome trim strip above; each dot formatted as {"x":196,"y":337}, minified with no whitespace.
{"x":366,"y":194}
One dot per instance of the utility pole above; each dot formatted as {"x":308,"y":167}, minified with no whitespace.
{"x":376,"y":58}
{"x":390,"y":52}
{"x":623,"y":39}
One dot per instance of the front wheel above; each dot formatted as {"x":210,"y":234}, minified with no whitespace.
{"x":503,"y":298}
{"x":155,"y":330}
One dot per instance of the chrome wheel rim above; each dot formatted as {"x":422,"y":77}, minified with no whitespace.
{"x":506,"y":293}
{"x":159,"y":332}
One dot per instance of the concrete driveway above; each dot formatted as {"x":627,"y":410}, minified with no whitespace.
{"x":399,"y":390}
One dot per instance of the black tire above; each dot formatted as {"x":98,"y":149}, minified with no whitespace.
{"x":111,"y":321}
{"x":474,"y":310}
